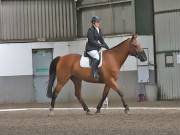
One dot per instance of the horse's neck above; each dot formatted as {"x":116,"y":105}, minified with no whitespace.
{"x":120,"y":52}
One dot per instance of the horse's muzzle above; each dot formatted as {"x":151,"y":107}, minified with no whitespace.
{"x":141,"y":56}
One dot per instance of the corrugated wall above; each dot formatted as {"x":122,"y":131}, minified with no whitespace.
{"x":162,"y":5}
{"x":167,"y":33}
{"x":144,"y":17}
{"x":117,"y":16}
{"x":93,"y":1}
{"x":38,"y":20}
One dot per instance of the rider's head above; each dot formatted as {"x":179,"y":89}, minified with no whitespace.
{"x":95,"y":20}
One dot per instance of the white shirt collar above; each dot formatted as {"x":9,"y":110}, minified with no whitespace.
{"x":97,"y":29}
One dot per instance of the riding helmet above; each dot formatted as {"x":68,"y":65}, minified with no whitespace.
{"x":95,"y":19}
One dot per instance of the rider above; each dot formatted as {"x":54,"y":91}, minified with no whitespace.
{"x":95,"y":43}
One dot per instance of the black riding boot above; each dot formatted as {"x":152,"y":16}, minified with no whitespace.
{"x":95,"y":64}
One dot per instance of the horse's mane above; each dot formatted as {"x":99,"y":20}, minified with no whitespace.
{"x":119,"y":44}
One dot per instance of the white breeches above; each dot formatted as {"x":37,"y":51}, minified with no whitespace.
{"x":94,"y":54}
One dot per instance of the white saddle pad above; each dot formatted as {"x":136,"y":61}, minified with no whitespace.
{"x":84,"y":61}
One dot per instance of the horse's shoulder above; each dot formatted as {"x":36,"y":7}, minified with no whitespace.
{"x":106,"y":53}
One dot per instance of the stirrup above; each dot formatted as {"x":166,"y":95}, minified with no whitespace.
{"x":95,"y":75}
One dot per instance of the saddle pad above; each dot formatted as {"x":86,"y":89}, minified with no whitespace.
{"x":84,"y":61}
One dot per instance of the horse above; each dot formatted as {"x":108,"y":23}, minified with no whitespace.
{"x":68,"y":68}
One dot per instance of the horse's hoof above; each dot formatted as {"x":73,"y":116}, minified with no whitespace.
{"x":127,"y":111}
{"x":89,"y":113}
{"x":51,"y":112}
{"x":97,"y":112}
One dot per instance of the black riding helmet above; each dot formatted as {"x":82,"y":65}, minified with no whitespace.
{"x":95,"y":19}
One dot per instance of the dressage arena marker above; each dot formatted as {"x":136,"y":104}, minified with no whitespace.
{"x":109,"y":108}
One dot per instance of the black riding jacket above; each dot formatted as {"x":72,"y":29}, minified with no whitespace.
{"x":93,"y":38}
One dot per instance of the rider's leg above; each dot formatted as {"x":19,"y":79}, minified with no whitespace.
{"x":95,"y":62}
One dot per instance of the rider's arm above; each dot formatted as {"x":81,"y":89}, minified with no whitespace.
{"x":103,"y":42}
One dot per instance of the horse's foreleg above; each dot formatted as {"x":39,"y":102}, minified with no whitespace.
{"x":77,"y":85}
{"x":104,"y":95}
{"x":114,"y":86}
{"x":123,"y":101}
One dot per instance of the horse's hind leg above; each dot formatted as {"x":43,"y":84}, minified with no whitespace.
{"x":77,"y":85}
{"x":104,"y":95}
{"x":56,"y":91}
{"x":114,"y":86}
{"x":60,"y":83}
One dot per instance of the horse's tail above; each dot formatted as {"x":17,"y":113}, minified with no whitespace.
{"x":52,"y":76}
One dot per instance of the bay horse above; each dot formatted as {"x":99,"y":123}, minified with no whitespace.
{"x":68,"y":68}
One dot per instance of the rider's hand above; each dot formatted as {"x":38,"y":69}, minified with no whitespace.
{"x":104,"y":46}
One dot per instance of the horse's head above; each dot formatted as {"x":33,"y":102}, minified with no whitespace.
{"x":136,"y":50}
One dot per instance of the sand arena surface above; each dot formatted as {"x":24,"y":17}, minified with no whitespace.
{"x":76,"y":122}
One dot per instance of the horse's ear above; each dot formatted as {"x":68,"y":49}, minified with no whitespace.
{"x":134,"y":36}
